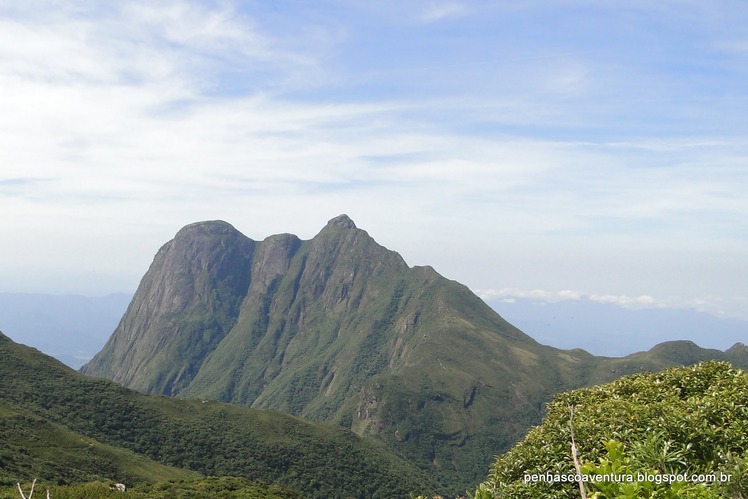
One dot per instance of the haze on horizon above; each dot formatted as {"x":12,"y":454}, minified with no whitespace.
{"x":556,"y":149}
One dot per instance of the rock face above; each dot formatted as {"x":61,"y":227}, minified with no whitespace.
{"x":340,"y":329}
{"x":336,"y":328}
{"x":185,"y":305}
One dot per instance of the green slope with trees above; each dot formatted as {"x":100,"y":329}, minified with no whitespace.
{"x":94,"y":429}
{"x":35,"y":447}
{"x":201,"y":488}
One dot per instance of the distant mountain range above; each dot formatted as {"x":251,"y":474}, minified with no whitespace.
{"x":70,"y":328}
{"x":611,"y":330}
{"x":340,"y":329}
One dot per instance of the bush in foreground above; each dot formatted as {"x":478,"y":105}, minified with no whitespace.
{"x":689,"y":422}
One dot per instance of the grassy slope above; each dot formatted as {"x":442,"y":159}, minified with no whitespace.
{"x":202,"y":488}
{"x":35,"y":447}
{"x":210,"y":438}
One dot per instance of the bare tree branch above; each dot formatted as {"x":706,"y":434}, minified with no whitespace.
{"x":574,"y":454}
{"x":30,"y":493}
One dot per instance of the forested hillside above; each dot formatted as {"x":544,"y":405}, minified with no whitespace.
{"x":62,"y":427}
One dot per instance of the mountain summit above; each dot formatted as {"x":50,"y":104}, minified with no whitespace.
{"x":336,"y":328}
{"x":341,"y":329}
{"x":341,"y":221}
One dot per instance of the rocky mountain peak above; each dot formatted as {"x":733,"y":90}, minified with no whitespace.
{"x":739,"y":347}
{"x":208,"y":226}
{"x":343,"y":221}
{"x":737,"y":352}
{"x":339,"y":329}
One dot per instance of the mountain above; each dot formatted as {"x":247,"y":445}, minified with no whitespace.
{"x":612,"y":330}
{"x":71,"y":328}
{"x":62,"y":427}
{"x":341,"y":329}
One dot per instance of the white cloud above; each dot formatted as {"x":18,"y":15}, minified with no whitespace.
{"x":735,"y":306}
{"x":624,"y":301}
{"x":536,"y":294}
{"x":569,"y":294}
{"x":149,"y":118}
{"x":442,"y":10}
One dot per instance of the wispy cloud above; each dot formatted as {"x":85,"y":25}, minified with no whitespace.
{"x":442,"y":10}
{"x":555,"y":149}
{"x":709,"y":304}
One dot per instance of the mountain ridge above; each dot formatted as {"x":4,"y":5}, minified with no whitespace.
{"x":340,"y":329}
{"x":612,"y":330}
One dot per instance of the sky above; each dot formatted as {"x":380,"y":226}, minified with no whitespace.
{"x":552,"y":149}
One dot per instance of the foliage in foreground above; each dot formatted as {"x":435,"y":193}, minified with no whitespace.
{"x":683,"y":421}
{"x":204,"y":488}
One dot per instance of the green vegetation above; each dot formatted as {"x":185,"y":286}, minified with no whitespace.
{"x":431,"y":382}
{"x":34,"y":447}
{"x":203,"y":488}
{"x":62,"y":427}
{"x":339,"y":329}
{"x":689,"y":422}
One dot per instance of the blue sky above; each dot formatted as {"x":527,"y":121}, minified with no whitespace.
{"x":540,"y":148}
